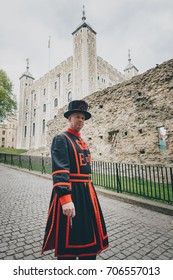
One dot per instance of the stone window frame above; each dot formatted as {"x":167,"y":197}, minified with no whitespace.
{"x":43,"y":126}
{"x":44,"y":108}
{"x":34,"y":112}
{"x":26,"y":116}
{"x":56,"y":102}
{"x":33,"y":129}
{"x":69,"y":96}
{"x":112,"y":137}
{"x":25,"y":131}
{"x":69,"y":77}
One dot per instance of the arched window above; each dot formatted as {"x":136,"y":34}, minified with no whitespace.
{"x":69,"y":77}
{"x":43,"y":127}
{"x":69,"y":96}
{"x":33,"y":129}
{"x":25,"y":131}
{"x":44,"y":108}
{"x":56,"y":102}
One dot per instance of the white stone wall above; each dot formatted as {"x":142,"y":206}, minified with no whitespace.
{"x":107,"y":75}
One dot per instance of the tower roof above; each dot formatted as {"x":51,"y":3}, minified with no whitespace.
{"x":27,"y":73}
{"x":84,"y":23}
{"x":130,"y":65}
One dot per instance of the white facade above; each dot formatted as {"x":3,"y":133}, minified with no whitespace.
{"x":8,"y":132}
{"x":75,"y":78}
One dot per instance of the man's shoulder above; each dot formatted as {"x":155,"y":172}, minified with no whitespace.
{"x":59,"y":137}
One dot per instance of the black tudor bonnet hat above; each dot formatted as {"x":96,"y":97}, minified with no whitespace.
{"x":78,"y":106}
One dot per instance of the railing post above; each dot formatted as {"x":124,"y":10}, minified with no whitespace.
{"x":30,"y":163}
{"x":20,"y":162}
{"x":5,"y":159}
{"x":12,"y":162}
{"x":171,"y":180}
{"x":43,"y":166}
{"x":118,"y":179}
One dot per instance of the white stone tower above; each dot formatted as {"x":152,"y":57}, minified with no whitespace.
{"x":23,"y":131}
{"x":84,"y":59}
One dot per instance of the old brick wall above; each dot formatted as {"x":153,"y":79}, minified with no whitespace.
{"x":126,"y":117}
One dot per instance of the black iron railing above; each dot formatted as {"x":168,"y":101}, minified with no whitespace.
{"x":150,"y":181}
{"x":35,"y":163}
{"x":155,"y":182}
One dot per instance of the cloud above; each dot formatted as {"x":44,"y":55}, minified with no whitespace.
{"x":143,"y":26}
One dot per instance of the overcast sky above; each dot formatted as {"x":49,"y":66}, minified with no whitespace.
{"x":143,"y":26}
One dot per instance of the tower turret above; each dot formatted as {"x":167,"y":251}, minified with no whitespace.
{"x":25,"y":99}
{"x":84,"y":59}
{"x":130,"y":71}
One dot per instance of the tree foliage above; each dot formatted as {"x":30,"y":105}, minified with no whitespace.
{"x":8,"y":103}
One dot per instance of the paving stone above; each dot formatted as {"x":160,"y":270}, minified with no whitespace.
{"x":19,"y":249}
{"x":10,"y":252}
{"x":37,"y":249}
{"x":3,"y":244}
{"x":28,"y":252}
{"x":20,"y":244}
{"x":9,"y":258}
{"x":120,"y":256}
{"x":19,"y":256}
{"x":29,"y":257}
{"x":3,"y":249}
{"x":2,"y":255}
{"x":26,"y":247}
{"x":134,"y":232}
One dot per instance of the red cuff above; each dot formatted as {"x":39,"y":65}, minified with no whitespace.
{"x":65,"y":199}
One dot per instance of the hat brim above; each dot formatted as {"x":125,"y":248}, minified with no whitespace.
{"x":85,"y":113}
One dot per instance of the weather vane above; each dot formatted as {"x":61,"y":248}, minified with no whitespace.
{"x":83,"y":14}
{"x":129,"y":56}
{"x":27,"y":65}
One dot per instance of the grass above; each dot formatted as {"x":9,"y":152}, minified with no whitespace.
{"x":12,"y":151}
{"x":159,"y":191}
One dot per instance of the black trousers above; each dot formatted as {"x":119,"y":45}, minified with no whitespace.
{"x":80,"y":258}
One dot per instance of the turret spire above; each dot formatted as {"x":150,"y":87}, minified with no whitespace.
{"x":129,"y":59}
{"x":27,"y":73}
{"x":27,"y":65}
{"x":130,"y":70}
{"x":83,"y":14}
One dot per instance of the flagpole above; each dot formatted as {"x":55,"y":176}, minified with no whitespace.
{"x":49,"y":50}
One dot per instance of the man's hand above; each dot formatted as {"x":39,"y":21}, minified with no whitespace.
{"x":69,"y":209}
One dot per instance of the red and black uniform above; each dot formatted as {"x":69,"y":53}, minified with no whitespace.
{"x":85,"y":234}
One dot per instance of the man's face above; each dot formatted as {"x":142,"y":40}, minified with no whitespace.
{"x":77,"y":121}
